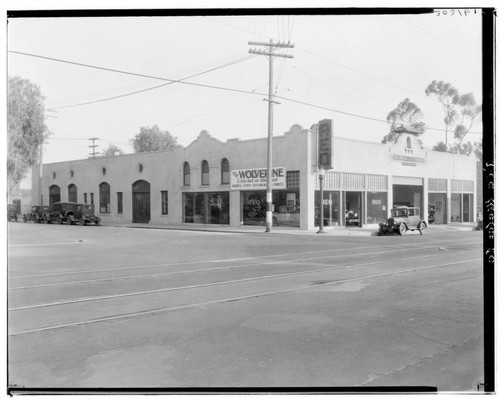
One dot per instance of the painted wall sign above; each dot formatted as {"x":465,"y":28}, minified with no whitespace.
{"x":325,"y":144}
{"x":245,"y":179}
{"x":408,"y":159}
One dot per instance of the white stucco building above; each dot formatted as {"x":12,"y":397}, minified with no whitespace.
{"x":211,"y":181}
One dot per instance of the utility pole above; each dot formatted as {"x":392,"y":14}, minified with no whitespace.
{"x":271,"y":54}
{"x":93,"y":146}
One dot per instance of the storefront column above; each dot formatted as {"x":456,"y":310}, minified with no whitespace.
{"x":448,"y":201}
{"x":424,"y":211}
{"x":474,"y":203}
{"x":390,"y":196}
{"x":307,"y":185}
{"x":235,"y":219}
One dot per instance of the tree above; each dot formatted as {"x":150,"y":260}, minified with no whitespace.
{"x":470,"y":113}
{"x":26,"y":128}
{"x":447,"y":96}
{"x":151,"y":139}
{"x":406,"y":118}
{"x":112,"y":150}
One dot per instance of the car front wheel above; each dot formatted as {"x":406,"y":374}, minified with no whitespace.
{"x":422,"y":228}
{"x":402,"y":229}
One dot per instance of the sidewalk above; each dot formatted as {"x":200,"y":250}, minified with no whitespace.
{"x":369,"y":230}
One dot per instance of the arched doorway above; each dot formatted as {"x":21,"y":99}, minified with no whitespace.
{"x":54,"y":194}
{"x":141,"y":211}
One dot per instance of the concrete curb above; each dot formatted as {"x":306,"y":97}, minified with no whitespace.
{"x":338,"y":231}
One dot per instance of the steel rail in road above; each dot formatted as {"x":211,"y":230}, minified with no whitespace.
{"x":189,"y":287}
{"x":236,"y":298}
{"x":232,"y":267}
{"x":402,"y":246}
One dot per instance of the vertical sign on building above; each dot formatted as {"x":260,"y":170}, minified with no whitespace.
{"x":325,"y":144}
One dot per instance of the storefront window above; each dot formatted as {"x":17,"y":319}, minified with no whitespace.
{"x":455,"y":207}
{"x":331,"y":206}
{"x":437,"y":208}
{"x":206,"y":208}
{"x":286,"y":207}
{"x":376,"y":207}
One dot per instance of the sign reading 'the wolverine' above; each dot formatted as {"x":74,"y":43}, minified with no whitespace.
{"x":325,"y":144}
{"x":257,"y":178}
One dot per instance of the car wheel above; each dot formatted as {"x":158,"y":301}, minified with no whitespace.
{"x":402,"y":229}
{"x":422,"y":228}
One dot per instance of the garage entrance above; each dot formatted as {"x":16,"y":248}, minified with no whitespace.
{"x":141,"y":208}
{"x":408,"y":191}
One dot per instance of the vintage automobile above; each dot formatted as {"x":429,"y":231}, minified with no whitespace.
{"x":61,"y":212}
{"x":402,"y":219}
{"x":84,"y":215}
{"x":37,"y":214}
{"x":351,"y":218}
{"x":11,"y":212}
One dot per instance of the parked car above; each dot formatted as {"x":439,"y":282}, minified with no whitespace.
{"x":61,"y":212}
{"x":402,"y":219}
{"x":37,"y":214}
{"x":84,"y":215}
{"x":12,"y":212}
{"x":351,"y":218}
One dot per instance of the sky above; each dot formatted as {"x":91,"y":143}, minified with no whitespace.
{"x":351,"y":69}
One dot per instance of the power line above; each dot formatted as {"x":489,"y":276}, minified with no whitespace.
{"x":135,"y":74}
{"x":218,"y":87}
{"x":155,"y":87}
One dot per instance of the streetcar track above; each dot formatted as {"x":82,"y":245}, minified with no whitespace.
{"x":398,"y":247}
{"x":154,"y":291}
{"x":109,"y":279}
{"x":232,"y":299}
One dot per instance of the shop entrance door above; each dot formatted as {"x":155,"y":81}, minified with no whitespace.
{"x":353,"y":209}
{"x":141,"y":212}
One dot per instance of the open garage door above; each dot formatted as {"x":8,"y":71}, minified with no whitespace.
{"x":408,"y":191}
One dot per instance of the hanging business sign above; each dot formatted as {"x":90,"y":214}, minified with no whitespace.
{"x":325,"y":144}
{"x":252,"y":179}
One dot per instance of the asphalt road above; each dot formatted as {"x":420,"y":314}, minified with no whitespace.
{"x":110,"y":307}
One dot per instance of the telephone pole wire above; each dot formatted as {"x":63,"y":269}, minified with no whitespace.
{"x":271,"y":47}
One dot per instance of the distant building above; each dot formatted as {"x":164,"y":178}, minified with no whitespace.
{"x":217,"y":182}
{"x":21,"y":195}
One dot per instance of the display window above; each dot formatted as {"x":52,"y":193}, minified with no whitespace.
{"x":437,"y":208}
{"x":376,"y":207}
{"x":286,"y":208}
{"x":206,"y":207}
{"x":331,"y":207}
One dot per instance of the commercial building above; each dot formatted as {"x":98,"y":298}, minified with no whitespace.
{"x":214,"y":182}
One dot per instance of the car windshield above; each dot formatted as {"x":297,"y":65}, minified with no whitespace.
{"x":398,"y":212}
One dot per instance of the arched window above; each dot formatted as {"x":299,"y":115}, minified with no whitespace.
{"x":187,"y":175}
{"x":204,"y":173}
{"x":72,"y":193}
{"x":224,"y":170}
{"x":54,"y":194}
{"x":408,"y":142}
{"x":104,"y":198}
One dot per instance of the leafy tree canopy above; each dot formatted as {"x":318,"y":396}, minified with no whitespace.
{"x":406,"y":118}
{"x":466,"y":148}
{"x":151,"y":139}
{"x":112,"y":150}
{"x":26,"y":128}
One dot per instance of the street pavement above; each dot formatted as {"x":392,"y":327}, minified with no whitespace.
{"x":118,"y":307}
